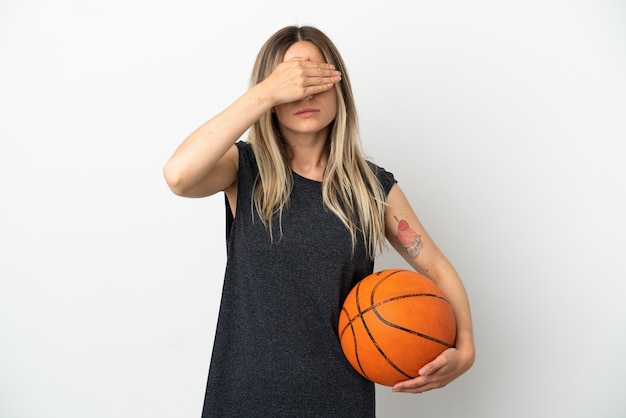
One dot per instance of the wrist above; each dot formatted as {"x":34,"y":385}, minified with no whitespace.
{"x":467,"y":352}
{"x":261,"y":97}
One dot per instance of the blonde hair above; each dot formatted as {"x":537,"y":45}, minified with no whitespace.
{"x":350,"y":188}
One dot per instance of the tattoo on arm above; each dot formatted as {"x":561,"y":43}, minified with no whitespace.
{"x":408,"y":238}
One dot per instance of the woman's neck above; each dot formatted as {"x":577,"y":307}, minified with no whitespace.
{"x":307,"y":156}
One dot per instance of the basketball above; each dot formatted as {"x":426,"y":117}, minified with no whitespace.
{"x":392,"y":323}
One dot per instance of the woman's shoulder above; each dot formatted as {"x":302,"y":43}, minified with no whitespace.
{"x":246,"y":152}
{"x":386,"y":178}
{"x":247,"y":160}
{"x":244,"y":147}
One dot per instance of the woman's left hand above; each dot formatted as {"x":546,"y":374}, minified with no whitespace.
{"x":438,"y":373}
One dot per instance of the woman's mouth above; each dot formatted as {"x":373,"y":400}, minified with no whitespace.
{"x":306,"y":112}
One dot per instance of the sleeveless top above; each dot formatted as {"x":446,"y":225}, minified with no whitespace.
{"x":276,"y":351}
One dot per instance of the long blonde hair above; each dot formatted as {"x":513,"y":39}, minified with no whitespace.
{"x":350,"y":188}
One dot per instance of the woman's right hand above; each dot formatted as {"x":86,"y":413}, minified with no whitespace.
{"x":298,"y":78}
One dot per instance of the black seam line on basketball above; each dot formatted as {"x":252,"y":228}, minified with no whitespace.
{"x":410,"y":331}
{"x":356,"y":350}
{"x":382,"y":302}
{"x":379,"y":283}
{"x":355,"y":344}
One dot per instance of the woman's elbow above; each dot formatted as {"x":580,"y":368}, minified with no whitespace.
{"x":174,"y":179}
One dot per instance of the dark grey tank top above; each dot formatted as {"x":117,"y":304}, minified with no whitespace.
{"x":276,"y":352}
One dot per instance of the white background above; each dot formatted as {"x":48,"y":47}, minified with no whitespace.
{"x":503,"y":121}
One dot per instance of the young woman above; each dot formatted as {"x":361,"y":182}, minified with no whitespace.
{"x":306,"y":216}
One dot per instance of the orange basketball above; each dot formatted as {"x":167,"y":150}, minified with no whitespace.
{"x":394,"y":322}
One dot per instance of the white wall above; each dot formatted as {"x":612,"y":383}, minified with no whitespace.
{"x":503,"y":121}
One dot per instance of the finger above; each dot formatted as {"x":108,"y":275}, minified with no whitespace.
{"x":307,"y":64}
{"x":323,"y":78}
{"x":314,"y":73}
{"x":415,"y":390}
{"x":318,"y":65}
{"x":429,"y":369}
{"x":306,"y":58}
{"x":319,"y":88}
{"x":432,"y":367}
{"x":409,"y":386}
{"x":418,"y":385}
{"x":319,"y":71}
